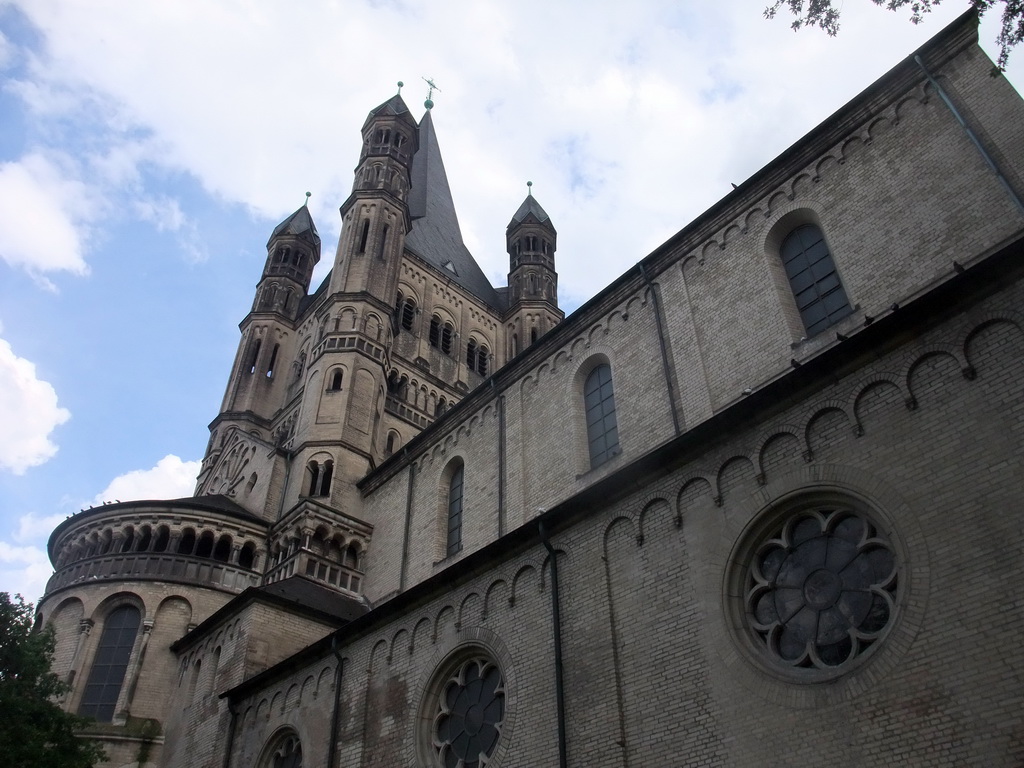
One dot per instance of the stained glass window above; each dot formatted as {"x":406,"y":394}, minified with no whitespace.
{"x":110,"y":664}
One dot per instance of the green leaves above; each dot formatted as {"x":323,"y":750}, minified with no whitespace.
{"x":823,"y":14}
{"x":34,"y":731}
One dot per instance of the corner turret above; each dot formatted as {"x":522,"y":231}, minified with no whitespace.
{"x":530,"y":239}
{"x":293,"y":250}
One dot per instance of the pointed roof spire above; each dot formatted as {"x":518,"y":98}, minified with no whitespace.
{"x":530,"y":205}
{"x":435,"y":235}
{"x":299,"y":224}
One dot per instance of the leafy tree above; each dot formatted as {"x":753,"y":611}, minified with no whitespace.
{"x":34,"y":731}
{"x":823,"y":14}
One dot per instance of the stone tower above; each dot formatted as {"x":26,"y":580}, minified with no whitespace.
{"x":531,"y":240}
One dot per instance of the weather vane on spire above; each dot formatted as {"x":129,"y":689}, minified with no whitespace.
{"x":308,"y":195}
{"x":529,"y":189}
{"x":400,"y":84}
{"x":429,"y":103}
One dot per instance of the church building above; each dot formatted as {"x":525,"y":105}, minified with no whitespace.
{"x":757,"y":502}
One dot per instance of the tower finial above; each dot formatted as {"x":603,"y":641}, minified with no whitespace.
{"x":529,"y":189}
{"x":429,"y":103}
{"x":400,"y":84}
{"x":308,"y":195}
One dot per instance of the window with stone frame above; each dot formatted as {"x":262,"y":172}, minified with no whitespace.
{"x":819,"y":588}
{"x":109,"y":664}
{"x":599,"y":408}
{"x":819,"y":294}
{"x":454,"y":518}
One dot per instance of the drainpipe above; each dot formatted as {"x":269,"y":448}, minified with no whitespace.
{"x":500,"y":403}
{"x":408,"y":525}
{"x":971,"y":135}
{"x":331,"y":750}
{"x":231,"y":734}
{"x":665,"y":367}
{"x":556,"y":620}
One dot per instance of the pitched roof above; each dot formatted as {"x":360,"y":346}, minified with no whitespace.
{"x":393,"y":106}
{"x":530,"y":205}
{"x":435,"y":235}
{"x":299,"y":224}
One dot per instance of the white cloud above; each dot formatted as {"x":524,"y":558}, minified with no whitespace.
{"x":24,"y":570}
{"x":43,"y":216}
{"x":32,"y":528}
{"x":664,"y":103}
{"x":6,"y":51}
{"x":171,"y":478}
{"x":28,"y":414}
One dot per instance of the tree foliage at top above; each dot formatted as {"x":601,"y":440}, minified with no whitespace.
{"x":34,"y":731}
{"x":823,"y":14}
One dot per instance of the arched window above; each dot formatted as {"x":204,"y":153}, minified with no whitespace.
{"x":110,"y":664}
{"x":435,"y":331}
{"x":336,"y":377}
{"x":392,"y":444}
{"x":314,"y":478}
{"x":163,"y":536}
{"x":187,"y":542}
{"x":447,"y":338}
{"x":286,"y":753}
{"x":273,"y":361}
{"x":320,"y":478}
{"x":247,"y":556}
{"x":408,"y":314}
{"x":205,"y":546}
{"x":325,"y":479}
{"x":533,"y":335}
{"x":364,"y":235}
{"x":455,"y":484}
{"x":471,"y":355}
{"x":599,"y":403}
{"x":442,"y":406}
{"x":254,"y":355}
{"x":481,"y":360}
{"x":812,"y":275}
{"x":222,"y":551}
{"x":382,"y":250}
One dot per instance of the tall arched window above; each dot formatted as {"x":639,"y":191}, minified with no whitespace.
{"x":364,"y":235}
{"x":812,"y":275}
{"x":285,"y":753}
{"x":602,"y":428}
{"x":110,"y":664}
{"x":405,"y":312}
{"x":455,"y":510}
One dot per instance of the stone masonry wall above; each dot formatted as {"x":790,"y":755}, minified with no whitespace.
{"x":660,"y":666}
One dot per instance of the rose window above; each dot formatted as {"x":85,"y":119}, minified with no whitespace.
{"x":470,"y":710}
{"x":822,"y":589}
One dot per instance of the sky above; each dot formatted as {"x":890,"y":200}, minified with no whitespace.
{"x":148,"y":149}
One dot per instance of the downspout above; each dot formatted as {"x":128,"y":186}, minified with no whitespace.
{"x":665,"y":367}
{"x":231,"y":734}
{"x":556,"y":621}
{"x":501,"y":461}
{"x":971,"y":135}
{"x":403,"y":573}
{"x":331,"y":747}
